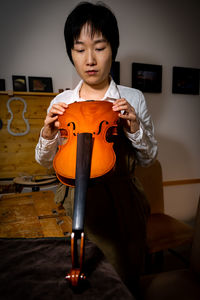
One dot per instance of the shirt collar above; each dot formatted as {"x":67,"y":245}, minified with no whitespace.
{"x":76,"y":96}
{"x":111,"y":94}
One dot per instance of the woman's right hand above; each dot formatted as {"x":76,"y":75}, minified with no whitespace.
{"x":51,"y":123}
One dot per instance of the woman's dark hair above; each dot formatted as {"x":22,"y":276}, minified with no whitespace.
{"x":99,"y":17}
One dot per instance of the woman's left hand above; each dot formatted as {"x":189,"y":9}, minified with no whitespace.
{"x":131,"y":122}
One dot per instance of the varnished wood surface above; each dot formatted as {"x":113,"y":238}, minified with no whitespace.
{"x":31,"y":215}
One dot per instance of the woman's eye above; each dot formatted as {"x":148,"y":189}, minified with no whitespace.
{"x":100,"y":49}
{"x":80,"y":50}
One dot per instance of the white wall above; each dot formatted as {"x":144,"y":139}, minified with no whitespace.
{"x":151,"y":31}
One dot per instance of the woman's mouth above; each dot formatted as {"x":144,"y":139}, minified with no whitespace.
{"x":91,"y":72}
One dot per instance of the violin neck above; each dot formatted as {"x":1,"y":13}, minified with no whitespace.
{"x":83,"y":165}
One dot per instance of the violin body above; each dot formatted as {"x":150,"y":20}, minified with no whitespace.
{"x":96,"y":118}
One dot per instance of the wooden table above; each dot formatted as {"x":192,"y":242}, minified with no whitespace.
{"x":28,"y":181}
{"x":32,"y":215}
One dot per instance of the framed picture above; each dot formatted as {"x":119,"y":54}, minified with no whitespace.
{"x":115,"y":71}
{"x":2,"y":85}
{"x":19,"y":83}
{"x":147,"y":78}
{"x":40,"y":84}
{"x":185,"y":81}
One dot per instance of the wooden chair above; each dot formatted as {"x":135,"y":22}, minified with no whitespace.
{"x":181,"y":284}
{"x":163,"y":231}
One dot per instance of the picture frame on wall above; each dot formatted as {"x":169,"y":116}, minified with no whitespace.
{"x":19,"y":83}
{"x":185,"y":80}
{"x":147,"y":77}
{"x":115,"y":71}
{"x":40,"y":84}
{"x":2,"y":85}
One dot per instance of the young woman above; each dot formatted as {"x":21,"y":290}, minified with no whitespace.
{"x":117,"y":210}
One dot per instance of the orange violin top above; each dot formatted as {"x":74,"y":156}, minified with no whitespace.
{"x":97,"y":118}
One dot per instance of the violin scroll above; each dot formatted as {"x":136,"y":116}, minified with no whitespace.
{"x":75,"y":276}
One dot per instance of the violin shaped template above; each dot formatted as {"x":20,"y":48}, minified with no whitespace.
{"x":10,"y":120}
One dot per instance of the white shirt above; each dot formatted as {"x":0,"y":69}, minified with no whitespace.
{"x":143,"y":141}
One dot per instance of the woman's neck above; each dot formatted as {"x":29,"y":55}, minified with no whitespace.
{"x":93,"y":92}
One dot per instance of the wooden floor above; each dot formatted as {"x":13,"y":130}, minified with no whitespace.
{"x":32,"y":215}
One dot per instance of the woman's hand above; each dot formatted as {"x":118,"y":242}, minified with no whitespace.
{"x":51,"y":123}
{"x":129,"y":115}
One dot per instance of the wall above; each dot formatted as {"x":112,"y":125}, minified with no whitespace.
{"x":157,"y":32}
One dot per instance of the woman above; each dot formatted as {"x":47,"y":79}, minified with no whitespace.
{"x":117,"y":209}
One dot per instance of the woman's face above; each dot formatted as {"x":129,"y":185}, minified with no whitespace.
{"x":92,"y":57}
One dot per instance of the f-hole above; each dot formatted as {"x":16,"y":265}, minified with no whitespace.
{"x":100,"y":126}
{"x":74,"y":127}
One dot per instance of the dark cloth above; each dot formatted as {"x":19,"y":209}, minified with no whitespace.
{"x":116,"y":214}
{"x":35,"y":269}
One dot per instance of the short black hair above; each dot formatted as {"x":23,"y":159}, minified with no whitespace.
{"x":101,"y":20}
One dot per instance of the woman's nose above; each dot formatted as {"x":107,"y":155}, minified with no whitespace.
{"x":90,"y":58}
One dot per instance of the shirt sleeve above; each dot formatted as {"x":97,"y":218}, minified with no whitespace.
{"x":143,"y":141}
{"x":45,"y":150}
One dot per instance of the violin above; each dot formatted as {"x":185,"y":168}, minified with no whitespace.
{"x":88,"y":153}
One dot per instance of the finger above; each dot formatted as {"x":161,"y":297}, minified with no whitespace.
{"x":124,"y":116}
{"x":119,"y":102}
{"x":128,"y":116}
{"x":60,"y":106}
{"x":56,"y":110}
{"x":53,"y":119}
{"x":121,"y":107}
{"x":63,"y":104}
{"x":57,"y":124}
{"x":50,"y":120}
{"x":127,"y":109}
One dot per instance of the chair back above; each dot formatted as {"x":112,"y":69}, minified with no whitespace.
{"x":152,"y":182}
{"x":195,"y":253}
